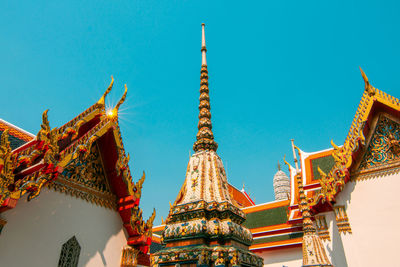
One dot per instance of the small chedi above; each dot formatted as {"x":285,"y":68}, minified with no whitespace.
{"x":205,"y":225}
{"x":281,"y":184}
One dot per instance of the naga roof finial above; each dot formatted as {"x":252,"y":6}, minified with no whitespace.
{"x":113,"y":113}
{"x":122,"y":100}
{"x":368,"y":87}
{"x":103,"y":97}
{"x":205,"y":136}
{"x":294,"y":156}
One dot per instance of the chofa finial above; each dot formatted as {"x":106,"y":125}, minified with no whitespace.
{"x":368,"y":87}
{"x":113,"y":113}
{"x":294,"y":156}
{"x":103,"y":97}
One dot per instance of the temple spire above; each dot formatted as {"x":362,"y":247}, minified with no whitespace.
{"x":205,"y":136}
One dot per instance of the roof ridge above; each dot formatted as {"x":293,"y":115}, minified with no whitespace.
{"x":17,"y":128}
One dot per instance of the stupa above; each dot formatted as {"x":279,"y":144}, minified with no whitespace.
{"x":281,"y":185}
{"x":205,"y":225}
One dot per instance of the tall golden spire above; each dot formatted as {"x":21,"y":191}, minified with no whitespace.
{"x":205,"y":137}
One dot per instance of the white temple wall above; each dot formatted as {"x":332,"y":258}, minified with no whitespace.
{"x":372,"y":207}
{"x":36,"y":230}
{"x":288,"y":257}
{"x":334,"y":247}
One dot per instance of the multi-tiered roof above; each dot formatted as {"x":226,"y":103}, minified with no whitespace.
{"x":85,"y":158}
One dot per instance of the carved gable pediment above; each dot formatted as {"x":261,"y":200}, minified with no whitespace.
{"x":383,"y":149}
{"x":85,"y":178}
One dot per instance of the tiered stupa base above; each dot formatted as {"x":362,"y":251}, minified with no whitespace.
{"x":206,"y":234}
{"x":205,"y":255}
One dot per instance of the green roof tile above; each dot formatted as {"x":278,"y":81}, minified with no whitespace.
{"x":325,"y":163}
{"x":266,"y":217}
{"x":277,"y":238}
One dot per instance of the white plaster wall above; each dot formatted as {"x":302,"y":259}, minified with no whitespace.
{"x":36,"y":231}
{"x":289,"y":257}
{"x":373,"y":208}
{"x":334,"y":247}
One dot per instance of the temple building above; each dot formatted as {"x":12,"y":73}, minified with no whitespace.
{"x":67,"y":197}
{"x":205,"y":224}
{"x":337,"y":208}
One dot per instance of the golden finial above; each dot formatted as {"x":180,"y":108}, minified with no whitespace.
{"x":103,"y":98}
{"x":368,"y":87}
{"x":279,"y":166}
{"x":334,"y":145}
{"x":149,"y":222}
{"x":205,"y":136}
{"x":284,"y":160}
{"x":294,"y":156}
{"x":113,"y":113}
{"x":122,"y":100}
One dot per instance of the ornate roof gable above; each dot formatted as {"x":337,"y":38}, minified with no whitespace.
{"x":383,"y":149}
{"x":86,"y":179}
{"x":372,"y":102}
{"x":84,"y":157}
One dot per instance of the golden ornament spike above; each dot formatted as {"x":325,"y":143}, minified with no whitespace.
{"x":205,"y":136}
{"x":44,"y":127}
{"x":368,"y":87}
{"x":139,"y":185}
{"x":150,"y":221}
{"x":364,"y":77}
{"x":103,"y":98}
{"x":121,"y":101}
{"x":294,"y":156}
{"x":334,"y":145}
{"x":284,"y":160}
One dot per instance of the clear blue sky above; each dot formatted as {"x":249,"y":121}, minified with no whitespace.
{"x":278,"y":70}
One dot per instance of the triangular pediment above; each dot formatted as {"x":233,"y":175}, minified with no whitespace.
{"x":85,"y":178}
{"x":383,"y":148}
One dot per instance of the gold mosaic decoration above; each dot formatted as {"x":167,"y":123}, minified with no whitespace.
{"x":7,"y":163}
{"x":322,"y":227}
{"x":129,"y":257}
{"x":384,"y":146}
{"x":342,"y":220}
{"x":85,"y":178}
